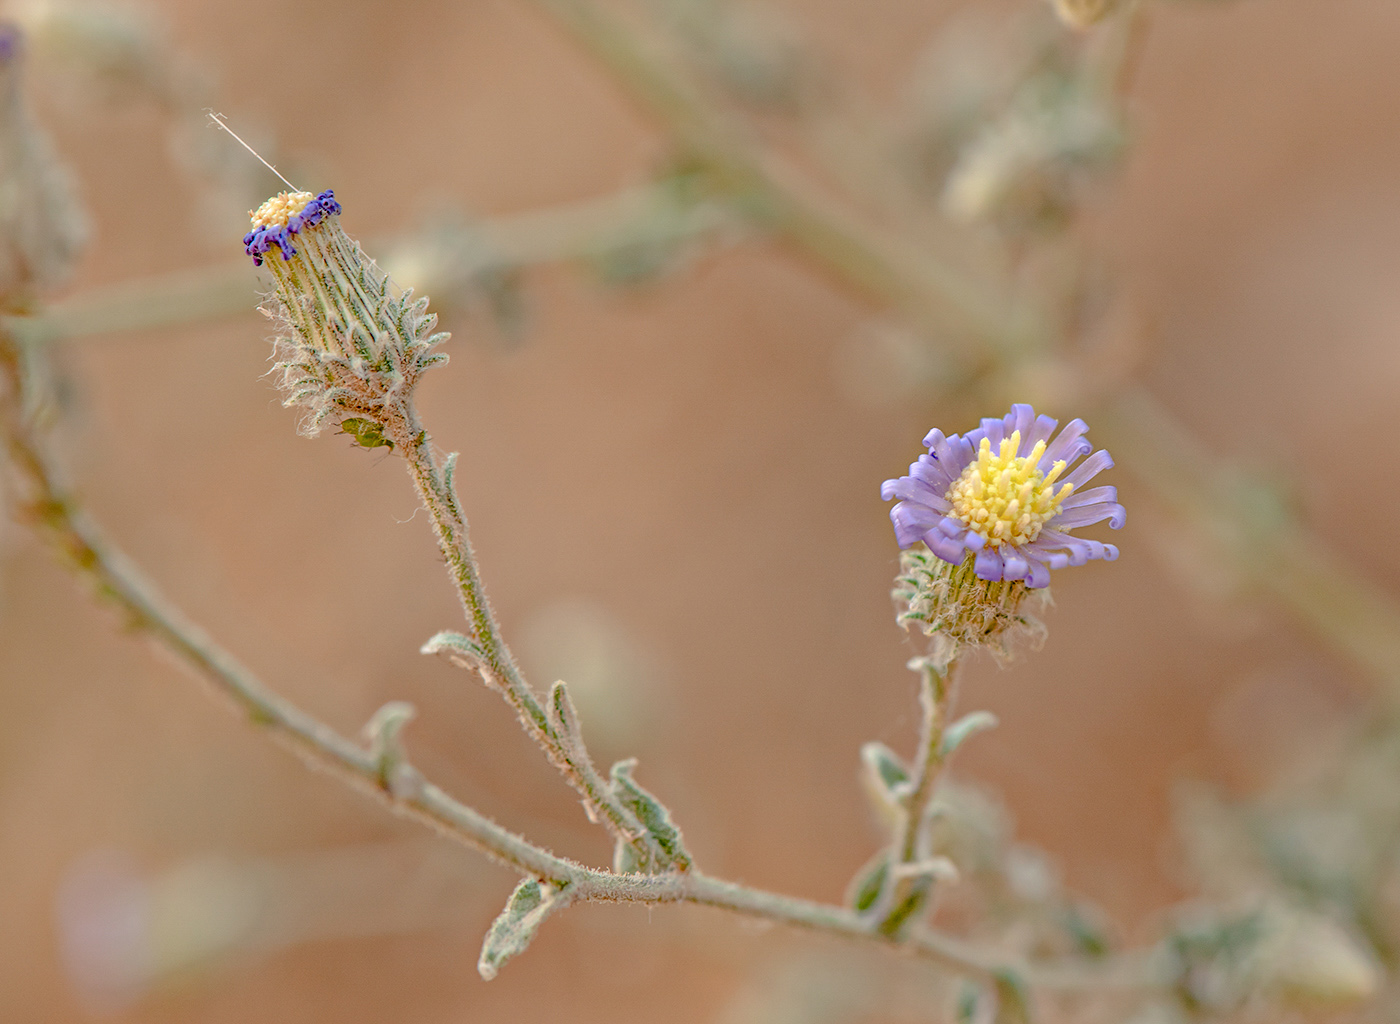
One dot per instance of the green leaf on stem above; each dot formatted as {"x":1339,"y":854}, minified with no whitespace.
{"x":964,"y":728}
{"x":652,"y":814}
{"x":511,"y":932}
{"x":869,"y":882}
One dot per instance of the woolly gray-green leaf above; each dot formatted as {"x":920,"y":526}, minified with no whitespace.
{"x":651,"y":813}
{"x":563,"y":716}
{"x":460,"y":650}
{"x":869,"y":882}
{"x":887,"y":769}
{"x":511,"y":932}
{"x":963,"y":729}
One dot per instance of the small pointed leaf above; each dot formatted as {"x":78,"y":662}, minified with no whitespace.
{"x":563,"y":716}
{"x":652,"y":814}
{"x":462,"y":651}
{"x":869,"y":882}
{"x":511,"y":932}
{"x":965,"y":727}
{"x":886,"y":767}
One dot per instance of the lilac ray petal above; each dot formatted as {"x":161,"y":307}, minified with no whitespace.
{"x":1076,"y":547}
{"x":1110,"y":552}
{"x":988,"y":566}
{"x":931,"y":473}
{"x":1043,"y":428}
{"x":945,"y":547}
{"x":1089,"y":468}
{"x":911,"y":521}
{"x":1040,"y":575}
{"x":1020,"y":418}
{"x":946,"y":451}
{"x":995,"y":432}
{"x":1115,"y":513}
{"x":1014,"y":566}
{"x":1049,"y":553}
{"x":1090,"y":496}
{"x":953,"y":527}
{"x":933,"y":439}
{"x":909,"y":489}
{"x":966,"y":452}
{"x":1068,"y":446}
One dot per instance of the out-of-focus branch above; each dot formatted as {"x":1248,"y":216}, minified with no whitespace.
{"x":1283,"y":561}
{"x":930,"y":293}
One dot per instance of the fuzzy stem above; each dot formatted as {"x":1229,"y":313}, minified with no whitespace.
{"x":936,"y":688}
{"x":908,"y":890}
{"x":498,"y":664}
{"x":58,"y":520}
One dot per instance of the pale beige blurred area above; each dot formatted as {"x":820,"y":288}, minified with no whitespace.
{"x":682,"y":473}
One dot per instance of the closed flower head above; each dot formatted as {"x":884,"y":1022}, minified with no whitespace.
{"x":351,"y":345}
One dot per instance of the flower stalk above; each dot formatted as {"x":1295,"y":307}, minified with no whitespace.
{"x":913,"y":871}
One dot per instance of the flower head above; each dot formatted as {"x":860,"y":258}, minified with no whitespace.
{"x":1008,"y":493}
{"x":351,"y":346}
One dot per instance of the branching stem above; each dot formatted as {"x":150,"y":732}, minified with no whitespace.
{"x":496,"y":664}
{"x":56,"y":517}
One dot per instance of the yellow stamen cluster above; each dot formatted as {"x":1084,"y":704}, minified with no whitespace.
{"x":1005,"y":497}
{"x":279,"y":209}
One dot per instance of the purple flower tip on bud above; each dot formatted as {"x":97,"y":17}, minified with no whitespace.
{"x":283,"y":216}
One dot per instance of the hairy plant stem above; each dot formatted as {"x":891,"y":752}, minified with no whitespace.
{"x":51,"y":510}
{"x":1340,"y":608}
{"x":937,"y":685}
{"x":910,"y":881}
{"x":494,"y":660}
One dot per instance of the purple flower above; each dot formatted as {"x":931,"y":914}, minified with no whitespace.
{"x":1006,"y":492}
{"x":281,"y":217}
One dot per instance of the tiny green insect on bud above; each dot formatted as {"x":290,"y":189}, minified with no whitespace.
{"x":366,"y":433}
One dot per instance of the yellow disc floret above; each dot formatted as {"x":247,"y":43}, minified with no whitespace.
{"x":1005,"y":497}
{"x":279,"y":209}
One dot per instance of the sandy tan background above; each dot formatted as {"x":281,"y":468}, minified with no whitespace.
{"x":684,"y":462}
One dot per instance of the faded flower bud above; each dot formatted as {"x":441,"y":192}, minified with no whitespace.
{"x":1084,"y":13}
{"x":352,"y":346}
{"x":42,"y":228}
